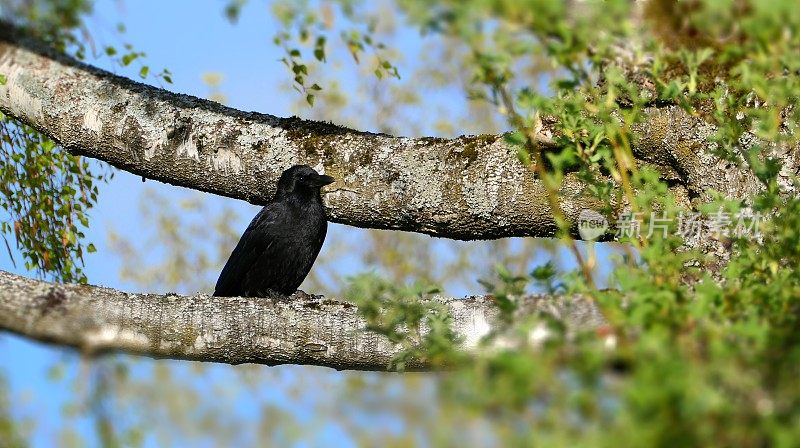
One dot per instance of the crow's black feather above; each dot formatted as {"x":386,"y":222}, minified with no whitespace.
{"x":281,"y":243}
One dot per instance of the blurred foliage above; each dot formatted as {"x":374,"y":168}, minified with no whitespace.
{"x":10,"y":436}
{"x":190,"y":243}
{"x":707,"y":362}
{"x":309,"y":24}
{"x":698,"y":363}
{"x":420,"y":327}
{"x":45,"y":192}
{"x":214,"y":80}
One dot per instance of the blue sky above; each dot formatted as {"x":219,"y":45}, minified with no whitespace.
{"x":189,"y":38}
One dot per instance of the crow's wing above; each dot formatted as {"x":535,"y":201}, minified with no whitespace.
{"x":253,"y":243}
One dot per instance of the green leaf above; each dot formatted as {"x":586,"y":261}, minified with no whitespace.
{"x":299,"y":68}
{"x":523,"y":155}
{"x":544,"y":272}
{"x":515,"y":138}
{"x":310,"y":100}
{"x":128,"y":58}
{"x":3,"y":79}
{"x":56,"y":372}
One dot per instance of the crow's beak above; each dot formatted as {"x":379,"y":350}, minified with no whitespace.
{"x":323,"y":180}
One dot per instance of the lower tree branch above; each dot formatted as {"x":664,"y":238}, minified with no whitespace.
{"x":302,"y":329}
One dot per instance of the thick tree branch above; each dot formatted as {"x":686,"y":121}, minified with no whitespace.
{"x":463,"y":188}
{"x":303,"y":329}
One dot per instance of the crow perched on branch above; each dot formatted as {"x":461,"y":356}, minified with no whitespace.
{"x":279,"y":246}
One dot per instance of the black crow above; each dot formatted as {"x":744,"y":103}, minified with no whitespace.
{"x":279,"y":246}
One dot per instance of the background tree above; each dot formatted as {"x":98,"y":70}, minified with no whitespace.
{"x":653,"y":108}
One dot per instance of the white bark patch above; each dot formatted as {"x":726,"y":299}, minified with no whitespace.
{"x":30,"y":105}
{"x":92,"y":121}
{"x":19,"y":99}
{"x":421,"y":178}
{"x":479,"y":327}
{"x":329,"y":198}
{"x":150,"y":131}
{"x":257,"y":134}
{"x":189,"y":149}
{"x":319,"y":167}
{"x":474,"y":191}
{"x":150,"y":152}
{"x":226,"y":160}
{"x":113,"y":337}
{"x":201,"y":343}
{"x":499,"y":175}
{"x":267,"y":341}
